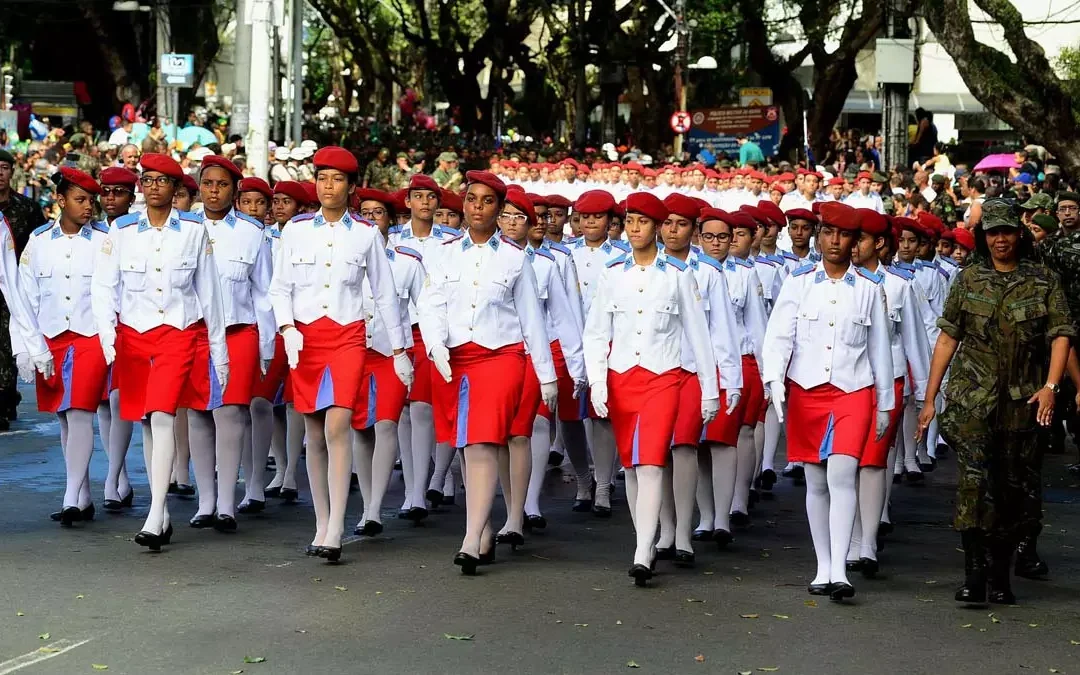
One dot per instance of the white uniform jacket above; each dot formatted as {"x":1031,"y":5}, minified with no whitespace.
{"x":407,"y":268}
{"x":246,"y":264}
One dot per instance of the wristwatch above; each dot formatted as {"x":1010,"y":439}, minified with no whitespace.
{"x":1052,"y":387}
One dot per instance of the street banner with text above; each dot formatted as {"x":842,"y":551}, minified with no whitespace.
{"x":720,"y":126}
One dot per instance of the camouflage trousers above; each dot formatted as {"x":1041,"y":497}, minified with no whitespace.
{"x":9,"y":392}
{"x":999,"y":487}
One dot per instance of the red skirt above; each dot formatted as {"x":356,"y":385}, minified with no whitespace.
{"x":164,"y":356}
{"x":80,"y":377}
{"x":688,"y":421}
{"x":242,"y":341}
{"x":110,"y":381}
{"x":824,"y":420}
{"x":570,"y":410}
{"x":876,"y":452}
{"x":331,"y":365}
{"x":271,"y":386}
{"x":751,"y":408}
{"x":478,"y":404}
{"x":423,"y":371}
{"x":530,"y":406}
{"x":382,"y":393}
{"x":640,"y":405}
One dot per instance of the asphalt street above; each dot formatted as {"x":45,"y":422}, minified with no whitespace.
{"x":80,"y":600}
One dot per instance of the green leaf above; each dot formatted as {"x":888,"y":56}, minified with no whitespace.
{"x":99,"y":666}
{"x":44,"y":636}
{"x":748,"y":616}
{"x":632,"y":664}
{"x":448,"y":636}
{"x":810,"y":603}
{"x":1074,"y":643}
{"x":994,"y":619}
{"x":966,"y":625}
{"x":254,"y":659}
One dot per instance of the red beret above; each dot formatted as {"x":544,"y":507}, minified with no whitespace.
{"x":634,"y":166}
{"x":334,"y":157}
{"x":965,"y":238}
{"x":741,"y":219}
{"x":864,"y":174}
{"x":118,"y":175}
{"x":681,"y":205}
{"x":931,"y":223}
{"x":648,"y":173}
{"x":873,"y":223}
{"x":368,"y":194}
{"x":801,"y":214}
{"x":773,"y":212}
{"x":397,"y":200}
{"x":291,"y":188}
{"x":712,"y":213}
{"x":948,"y":235}
{"x":420,"y":181}
{"x":648,"y":205}
{"x":521,"y":201}
{"x":595,"y":201}
{"x":558,"y":201}
{"x":801,"y":171}
{"x":489,"y":179}
{"x":757,"y":214}
{"x":256,"y":185}
{"x":902,"y":223}
{"x":756,"y":174}
{"x":836,"y":180}
{"x":815,"y":207}
{"x":537,"y":200}
{"x":786,"y":177}
{"x":312,"y":194}
{"x":154,"y":161}
{"x":190,"y":184}
{"x":778,"y":187}
{"x":224,"y":163}
{"x":620,"y":210}
{"x":839,"y":215}
{"x":80,"y":179}
{"x":450,"y":200}
{"x":813,"y":173}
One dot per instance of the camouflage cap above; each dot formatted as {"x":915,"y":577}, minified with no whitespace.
{"x":1039,"y":201}
{"x":879,"y":177}
{"x":998,"y":213}
{"x":1046,"y":222}
{"x":448,"y":157}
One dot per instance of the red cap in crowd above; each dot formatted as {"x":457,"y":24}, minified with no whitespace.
{"x":595,"y":201}
{"x":839,"y":215}
{"x":681,"y":205}
{"x":256,"y":185}
{"x":369,"y":194}
{"x":291,"y":188}
{"x":450,"y":200}
{"x":872,"y":222}
{"x":312,"y":194}
{"x":558,"y":201}
{"x":489,"y":179}
{"x":420,"y":181}
{"x":802,"y":214}
{"x":189,"y":182}
{"x":712,"y":213}
{"x":80,"y":179}
{"x":521,"y":201}
{"x":773,"y":212}
{"x":648,"y":205}
{"x":397,"y":200}
{"x":224,"y":163}
{"x":334,"y":157}
{"x":118,"y":175}
{"x":163,"y":164}
{"x":965,"y":238}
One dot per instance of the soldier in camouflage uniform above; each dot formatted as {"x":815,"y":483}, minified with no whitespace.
{"x":942,"y":206}
{"x":1007,"y":322}
{"x":379,"y":175}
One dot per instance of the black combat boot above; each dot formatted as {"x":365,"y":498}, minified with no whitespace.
{"x":1001,"y":551}
{"x":1028,"y":563}
{"x":973,"y":592}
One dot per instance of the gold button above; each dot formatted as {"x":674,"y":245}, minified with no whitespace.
{"x":478,"y":264}
{"x":67,"y":255}
{"x":324,"y":307}
{"x":586,"y":283}
{"x":326,"y":285}
{"x":157,"y":269}
{"x":832,"y":302}
{"x":159,"y":290}
{"x":476,"y":283}
{"x":161,"y":311}
{"x":67,"y":276}
{"x":67,"y":297}
{"x":474,"y":306}
{"x":67,"y":318}
{"x":828,"y":346}
{"x":639,"y":311}
{"x":641,"y":290}
{"x":470,"y":327}
{"x":328,"y":264}
{"x":826,"y":369}
{"x":212,"y":241}
{"x":637,"y":353}
{"x":588,"y":264}
{"x":158,"y":250}
{"x":330,"y":244}
{"x":639,"y":332}
{"x":830,"y":323}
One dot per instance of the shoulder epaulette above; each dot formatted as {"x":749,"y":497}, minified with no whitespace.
{"x":126,"y":219}
{"x":942,"y":271}
{"x":513,"y":243}
{"x":805,"y":269}
{"x":195,"y":217}
{"x":677,"y":264}
{"x":100,"y":226}
{"x":743,"y":262}
{"x":42,"y":229}
{"x":710,"y":261}
{"x":411,"y":252}
{"x":302,"y":217}
{"x":275,"y":233}
{"x":764,"y":260}
{"x":790,"y":256}
{"x":621,"y":245}
{"x":617,"y":261}
{"x":867,"y":274}
{"x":451,"y":241}
{"x":446,"y":229}
{"x":394,"y":229}
{"x":250,"y":219}
{"x":902,"y":273}
{"x":569,"y":240}
{"x":544,"y":253}
{"x":556,"y":246}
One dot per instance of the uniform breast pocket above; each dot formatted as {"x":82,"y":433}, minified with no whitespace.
{"x":1029,"y":317}
{"x":667,"y":313}
{"x":237,"y":266}
{"x":499,"y":287}
{"x":853,"y":329}
{"x":303,"y":268}
{"x":354,"y":272}
{"x":183,"y":271}
{"x":894,"y":319}
{"x":978,"y":317}
{"x":43,"y":275}
{"x":133,"y":273}
{"x":806,"y":323}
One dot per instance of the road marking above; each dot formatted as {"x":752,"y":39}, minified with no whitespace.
{"x":38,"y":655}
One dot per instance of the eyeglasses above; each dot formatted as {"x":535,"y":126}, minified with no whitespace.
{"x":373,"y":213}
{"x":709,"y":237}
{"x":517,"y":219}
{"x":109,"y":191}
{"x":1068,"y":209}
{"x":160,"y":181}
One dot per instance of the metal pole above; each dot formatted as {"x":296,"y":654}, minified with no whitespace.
{"x":894,"y":107}
{"x":238,"y":120}
{"x":161,"y":27}
{"x":681,"y":49}
{"x":297,"y":38}
{"x":581,"y":91}
{"x":260,"y":18}
{"x":275,"y":83}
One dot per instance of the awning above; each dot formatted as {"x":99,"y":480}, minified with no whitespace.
{"x":861,"y":101}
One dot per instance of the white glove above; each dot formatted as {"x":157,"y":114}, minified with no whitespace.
{"x":403,"y":368}
{"x":44,"y":364}
{"x":709,"y":408}
{"x":599,"y":398}
{"x":109,"y":351}
{"x":732,"y":396}
{"x":264,"y":366}
{"x":25,"y":366}
{"x":579,"y":388}
{"x":440,"y":358}
{"x":549,"y":392}
{"x":881,"y":424}
{"x":222,"y":370}
{"x":294,"y":343}
{"x":778,"y":398}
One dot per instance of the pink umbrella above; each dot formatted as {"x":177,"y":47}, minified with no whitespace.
{"x":1004,"y":160}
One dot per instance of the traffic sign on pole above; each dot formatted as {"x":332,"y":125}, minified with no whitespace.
{"x":680,"y":122}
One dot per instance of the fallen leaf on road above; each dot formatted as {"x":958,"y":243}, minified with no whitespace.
{"x":768,"y":669}
{"x":1074,"y":643}
{"x":341,"y":588}
{"x":700,"y":658}
{"x":235,"y":672}
{"x":423,"y":567}
{"x":765,"y":555}
{"x":966,"y":625}
{"x":581,"y":625}
{"x":618,"y":623}
{"x":44,"y":636}
{"x":48,"y":650}
{"x":781,"y":616}
{"x":707,"y":614}
{"x":254,"y":659}
{"x":316,"y":579}
{"x":694,"y":600}
{"x":749,"y":616}
{"x":924,"y":599}
{"x":19,"y":614}
{"x":378,"y":592}
{"x":930,"y":582}
{"x":540,"y":557}
{"x":599,"y":589}
{"x":791,"y":548}
{"x":993,"y":618}
{"x":300,"y":630}
{"x":738,"y":578}
{"x":80,"y":597}
{"x":708,"y":574}
{"x":982,"y":630}
{"x":632,"y":664}
{"x":746,"y":672}
{"x":463,"y":638}
{"x":810,"y":603}
{"x":1054,"y":670}
{"x":99,"y":666}
{"x":1033,"y":625}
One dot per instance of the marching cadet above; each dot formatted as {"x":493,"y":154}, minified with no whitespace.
{"x":681,"y":476}
{"x":287,"y":441}
{"x":802,"y":226}
{"x":382,"y":393}
{"x":54,"y":282}
{"x":450,"y":209}
{"x":557,"y":216}
{"x":187,"y":193}
{"x":828,"y":344}
{"x":910,"y":354}
{"x":317,"y":297}
{"x":155,"y":295}
{"x":219,"y":429}
{"x":644,"y":303}
{"x":479,"y":312}
{"x":530,"y":429}
{"x":117,"y":198}
{"x":591,"y":253}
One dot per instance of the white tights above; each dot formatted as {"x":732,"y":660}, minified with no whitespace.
{"x":421,"y":449}
{"x":576,"y":443}
{"x":77,"y":443}
{"x":745,"y":469}
{"x":115,"y":435}
{"x":604,"y":456}
{"x":774,"y":431}
{"x":481,"y":475}
{"x":181,"y":468}
{"x":374,"y":450}
{"x":255,"y":453}
{"x":329,"y":467}
{"x":830,"y":508}
{"x":871,"y":486}
{"x":644,"y":493}
{"x":515,"y":466}
{"x":540,"y":444}
{"x":724,"y":465}
{"x":159,"y":450}
{"x":677,"y":508}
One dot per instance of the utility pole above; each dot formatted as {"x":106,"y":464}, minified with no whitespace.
{"x":581,"y":88}
{"x":261,"y":16}
{"x":896,"y":88}
{"x":164,"y":46}
{"x":277,"y":122}
{"x":297,"y":78}
{"x":238,"y":120}
{"x":682,"y":48}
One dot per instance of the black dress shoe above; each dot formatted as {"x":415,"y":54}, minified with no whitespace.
{"x":515,"y":539}
{"x":702,"y":535}
{"x":722,"y":538}
{"x":312,"y":550}
{"x":225,"y":523}
{"x":640,"y":573}
{"x":928,"y":468}
{"x":915,"y":477}
{"x":487,"y":558}
{"x":767,"y":479}
{"x":884,"y":528}
{"x":88,"y":512}
{"x":667,"y":553}
{"x":354,"y":483}
{"x":127,"y":501}
{"x":897,"y":478}
{"x":274,"y":492}
{"x":434,"y":497}
{"x":582,"y":505}
{"x":172,"y":489}
{"x":798,"y":475}
{"x":70,"y":514}
{"x":942,"y":451}
{"x":869,"y":567}
{"x":840,"y":591}
{"x":201,"y":521}
{"x":1028,"y":563}
{"x":1001,"y":596}
{"x":166,"y":536}
{"x":740,"y":520}
{"x":467,"y":563}
{"x":601,"y":511}
{"x":818,"y":589}
{"x":447,"y":500}
{"x":55,"y":516}
{"x":554,"y":458}
{"x":252,"y":506}
{"x":535,"y":522}
{"x":853,"y":565}
{"x":752,"y":499}
{"x":403,"y":514}
{"x":370,"y":528}
{"x":416,"y":514}
{"x":184,"y":490}
{"x":290,"y":494}
{"x":684,"y":558}
{"x":113,"y":506}
{"x":330,"y":553}
{"x":149,"y":540}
